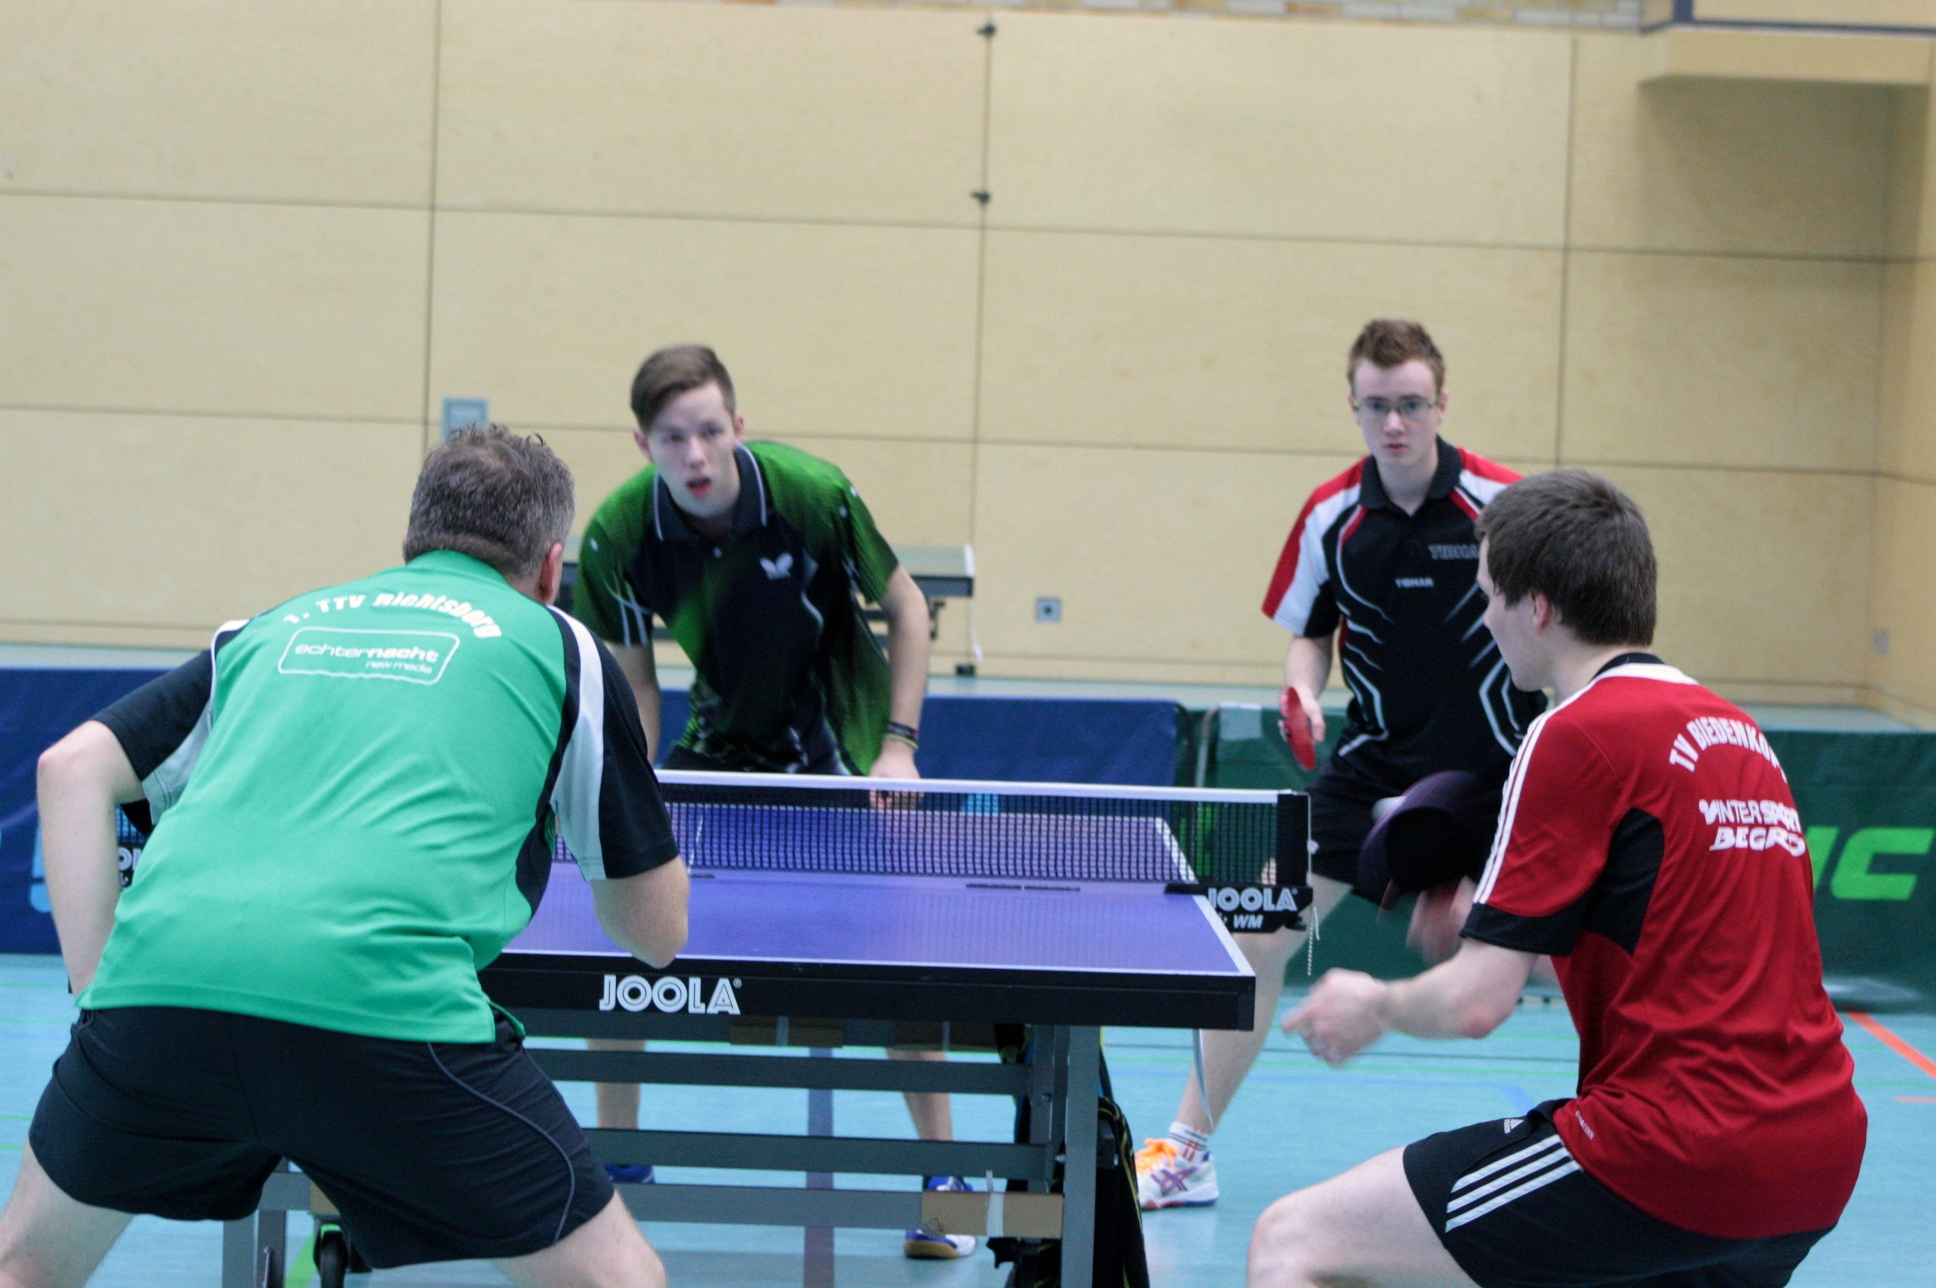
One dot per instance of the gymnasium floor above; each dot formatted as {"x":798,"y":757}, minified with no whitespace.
{"x":1294,"y":1123}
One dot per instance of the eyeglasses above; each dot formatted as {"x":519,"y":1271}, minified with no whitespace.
{"x":1374,"y":411}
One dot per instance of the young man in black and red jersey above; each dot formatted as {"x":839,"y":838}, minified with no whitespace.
{"x":1650,"y":846}
{"x":1382,"y":557}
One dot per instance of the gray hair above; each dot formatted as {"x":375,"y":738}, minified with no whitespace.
{"x":493,"y":495}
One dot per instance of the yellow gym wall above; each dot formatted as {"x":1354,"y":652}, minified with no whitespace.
{"x":1902,"y":662}
{"x":246,"y":249}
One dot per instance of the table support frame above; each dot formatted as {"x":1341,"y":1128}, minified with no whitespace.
{"x":1061,"y":1076}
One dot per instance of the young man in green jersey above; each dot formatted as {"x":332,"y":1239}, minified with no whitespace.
{"x":758,"y":558}
{"x":355,"y":797}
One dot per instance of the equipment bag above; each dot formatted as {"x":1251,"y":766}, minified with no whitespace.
{"x":1119,"y":1260}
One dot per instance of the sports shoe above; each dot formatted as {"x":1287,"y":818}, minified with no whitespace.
{"x":923,"y":1246}
{"x":631,"y":1173}
{"x":1164,"y":1179}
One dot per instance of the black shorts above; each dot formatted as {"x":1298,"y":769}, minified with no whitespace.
{"x":1342,"y":795}
{"x":431,"y":1151}
{"x":1515,"y":1211}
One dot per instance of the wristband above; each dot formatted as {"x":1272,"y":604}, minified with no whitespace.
{"x":902,"y":733}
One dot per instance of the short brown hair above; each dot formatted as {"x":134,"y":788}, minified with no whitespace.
{"x":1392,"y":342}
{"x":678,"y":369}
{"x":1581,"y":542}
{"x":492,"y":495}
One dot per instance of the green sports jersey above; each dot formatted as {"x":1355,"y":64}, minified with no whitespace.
{"x":770,"y":615}
{"x":355,"y":797}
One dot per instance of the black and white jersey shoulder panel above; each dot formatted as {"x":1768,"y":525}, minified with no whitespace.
{"x":575,"y":795}
{"x":163,"y":725}
{"x":610,"y":815}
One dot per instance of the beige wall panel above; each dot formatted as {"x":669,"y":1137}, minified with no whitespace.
{"x":1376,"y":133}
{"x":679,"y":109}
{"x":1905,"y":570}
{"x":1910,"y":139}
{"x":1676,"y":359}
{"x":1159,"y":557}
{"x":835,"y":330}
{"x":1878,"y":13}
{"x":918,"y":492}
{"x":1222,"y":343}
{"x":1764,"y":577}
{"x":1906,"y":434}
{"x":280,"y":100}
{"x":146,"y":524}
{"x":1725,"y":166}
{"x":211,"y":308}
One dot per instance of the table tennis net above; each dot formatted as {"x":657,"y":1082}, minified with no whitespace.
{"x":989,"y":831}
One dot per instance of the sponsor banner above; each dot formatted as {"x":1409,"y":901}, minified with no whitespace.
{"x":37,"y":708}
{"x":1868,"y":814}
{"x":1865,"y":814}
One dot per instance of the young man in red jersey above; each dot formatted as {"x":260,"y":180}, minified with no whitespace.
{"x":1381,"y":560}
{"x":1650,"y":846}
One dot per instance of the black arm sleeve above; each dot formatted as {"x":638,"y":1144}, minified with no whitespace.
{"x":606,"y":797}
{"x":154,"y":721}
{"x":1552,"y":936}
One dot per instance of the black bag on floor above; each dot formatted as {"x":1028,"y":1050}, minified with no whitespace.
{"x":1119,"y":1261}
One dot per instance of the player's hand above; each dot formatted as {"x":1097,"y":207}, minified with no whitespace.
{"x":1437,"y":918}
{"x":895,"y":761}
{"x":1342,"y":1016}
{"x":1302,"y":720}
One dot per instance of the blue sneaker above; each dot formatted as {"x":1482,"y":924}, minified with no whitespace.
{"x":924,"y":1246}
{"x":631,"y":1173}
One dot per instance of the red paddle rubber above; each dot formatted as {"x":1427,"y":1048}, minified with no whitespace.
{"x":1297,"y":730}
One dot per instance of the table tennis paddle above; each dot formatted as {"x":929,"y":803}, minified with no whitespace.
{"x":1297,"y":730}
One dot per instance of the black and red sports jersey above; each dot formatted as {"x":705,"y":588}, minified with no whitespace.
{"x":1429,"y":691}
{"x":1649,"y":843}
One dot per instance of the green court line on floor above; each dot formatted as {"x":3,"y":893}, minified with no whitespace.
{"x":303,"y":1268}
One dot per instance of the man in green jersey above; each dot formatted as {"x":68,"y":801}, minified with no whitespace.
{"x":757,"y":557}
{"x":355,"y":799}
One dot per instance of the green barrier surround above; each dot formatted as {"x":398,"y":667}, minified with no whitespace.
{"x":1867,"y":801}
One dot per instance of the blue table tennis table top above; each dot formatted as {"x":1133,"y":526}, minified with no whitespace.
{"x":849,"y":919}
{"x":1010,"y":891}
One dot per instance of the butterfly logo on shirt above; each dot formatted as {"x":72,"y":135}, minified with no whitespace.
{"x":778,"y":569}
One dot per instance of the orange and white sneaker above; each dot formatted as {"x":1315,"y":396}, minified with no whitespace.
{"x":1165,"y":1178}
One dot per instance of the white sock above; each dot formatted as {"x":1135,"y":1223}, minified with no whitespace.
{"x":1190,"y":1143}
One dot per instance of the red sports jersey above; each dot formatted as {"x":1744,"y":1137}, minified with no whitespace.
{"x":1649,"y":843}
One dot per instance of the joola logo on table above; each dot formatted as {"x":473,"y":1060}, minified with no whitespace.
{"x":1251,"y":898}
{"x":671,"y":994}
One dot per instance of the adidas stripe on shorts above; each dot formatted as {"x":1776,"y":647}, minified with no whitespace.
{"x":1515,"y":1211}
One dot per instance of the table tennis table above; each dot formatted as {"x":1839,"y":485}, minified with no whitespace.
{"x":832,"y":914}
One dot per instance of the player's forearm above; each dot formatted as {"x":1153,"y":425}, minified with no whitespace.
{"x":1467,"y":996}
{"x":1307,"y":663}
{"x":906,"y":609}
{"x":646,"y":914}
{"x":642,"y":674}
{"x":80,"y":780}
